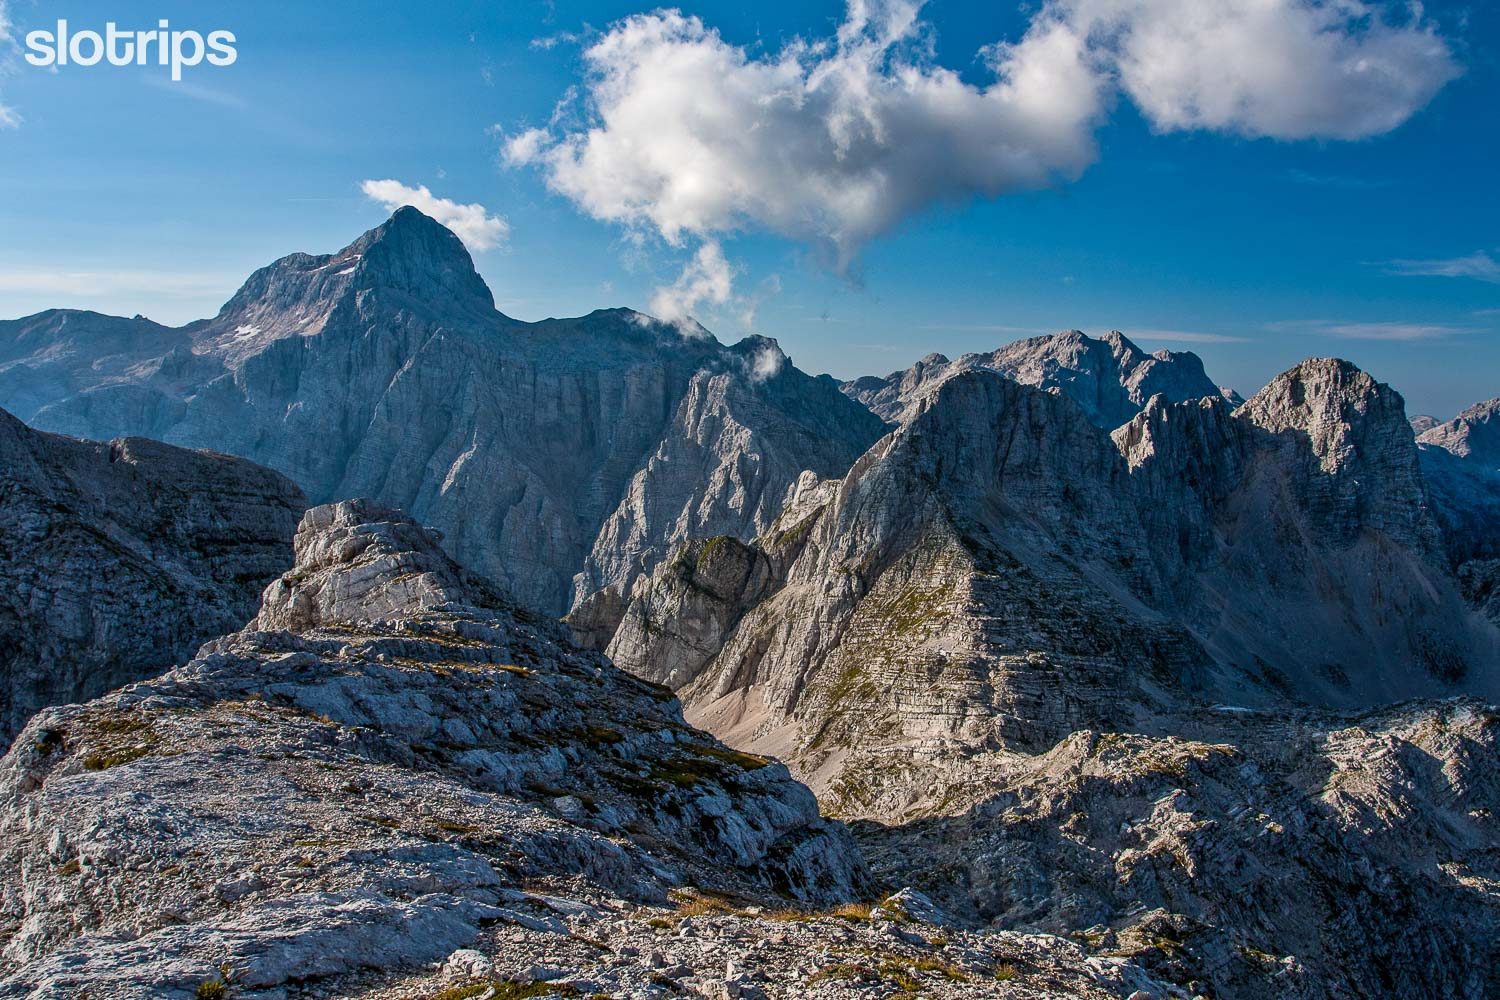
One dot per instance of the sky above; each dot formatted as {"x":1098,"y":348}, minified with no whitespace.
{"x":1254,"y":180}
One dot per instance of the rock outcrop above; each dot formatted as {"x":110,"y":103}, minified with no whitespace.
{"x":389,"y":759}
{"x":1474,"y":435}
{"x":1070,"y":673}
{"x":119,"y":559}
{"x":737,"y":443}
{"x":1110,"y":378}
{"x":1255,"y":855}
{"x":999,"y":573}
{"x":528,"y":445}
{"x":1461,"y":465}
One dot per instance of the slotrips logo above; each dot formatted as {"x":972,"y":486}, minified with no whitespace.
{"x":161,"y":46}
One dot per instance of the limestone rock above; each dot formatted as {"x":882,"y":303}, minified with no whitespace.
{"x":1110,"y":378}
{"x":528,"y":445}
{"x":118,"y":559}
{"x":1000,"y":573}
{"x":740,"y":439}
{"x":390,"y":758}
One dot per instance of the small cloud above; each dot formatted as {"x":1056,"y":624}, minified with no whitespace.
{"x":1480,"y":266}
{"x":708,"y":279}
{"x":550,"y":42}
{"x":471,"y":223}
{"x":765,"y":364}
{"x":1187,"y":337}
{"x":1388,"y":331}
{"x":1332,"y":181}
{"x":1023,"y":331}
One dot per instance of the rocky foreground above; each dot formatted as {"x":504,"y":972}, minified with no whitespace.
{"x":394,"y":783}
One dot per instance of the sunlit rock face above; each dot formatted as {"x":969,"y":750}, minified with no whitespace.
{"x":390,"y":758}
{"x":384,"y":370}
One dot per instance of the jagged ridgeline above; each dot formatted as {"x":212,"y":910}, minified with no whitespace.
{"x":1079,"y":641}
{"x":118,"y":560}
{"x":370,"y":772}
{"x":585,"y":447}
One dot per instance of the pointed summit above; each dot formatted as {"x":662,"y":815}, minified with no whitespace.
{"x":408,"y":260}
{"x":414,"y":253}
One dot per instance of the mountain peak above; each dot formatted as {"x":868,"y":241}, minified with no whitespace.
{"x":357,"y":560}
{"x":414,"y":253}
{"x":1473,"y":434}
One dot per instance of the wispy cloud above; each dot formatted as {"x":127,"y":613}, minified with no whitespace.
{"x":1386,"y":331}
{"x":1186,"y":337}
{"x":471,"y":223}
{"x":197,"y":92}
{"x":1479,"y":265}
{"x":9,"y":116}
{"x":706,"y":281}
{"x":550,"y":42}
{"x":1338,"y":181}
{"x":101,"y":284}
{"x":1023,"y":331}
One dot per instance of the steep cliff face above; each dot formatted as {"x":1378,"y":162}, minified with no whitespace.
{"x":1110,"y":378}
{"x":413,"y":758}
{"x":1474,"y":434}
{"x":1310,"y":557}
{"x":118,"y":559}
{"x":738,"y":441}
{"x":525,"y":444}
{"x":1461,"y":464}
{"x":954,"y":590}
{"x":999,"y":573}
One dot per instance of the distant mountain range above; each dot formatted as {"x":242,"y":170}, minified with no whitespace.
{"x":385,"y":371}
{"x":1077,"y":639}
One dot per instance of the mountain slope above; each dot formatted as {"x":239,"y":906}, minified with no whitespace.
{"x":118,"y":559}
{"x":1461,"y":464}
{"x":384,"y":370}
{"x":999,"y":572}
{"x":1109,"y":378}
{"x":413,"y":759}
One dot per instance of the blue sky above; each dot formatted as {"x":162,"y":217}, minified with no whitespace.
{"x":124,"y":192}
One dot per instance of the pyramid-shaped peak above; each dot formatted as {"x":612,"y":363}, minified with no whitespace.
{"x":413,"y":252}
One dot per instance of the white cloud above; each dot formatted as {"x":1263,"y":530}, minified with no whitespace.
{"x":832,"y":142}
{"x":766,"y":363}
{"x":1479,"y":266}
{"x":1387,"y":331}
{"x":1186,"y":337}
{"x":707,"y":279}
{"x":1284,"y":69}
{"x":471,"y":223}
{"x":835,"y":141}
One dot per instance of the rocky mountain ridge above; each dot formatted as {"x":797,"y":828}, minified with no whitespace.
{"x":526,"y":444}
{"x":1110,"y":378}
{"x":413,"y":759}
{"x":119,"y":559}
{"x":999,"y":572}
{"x":1461,"y":464}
